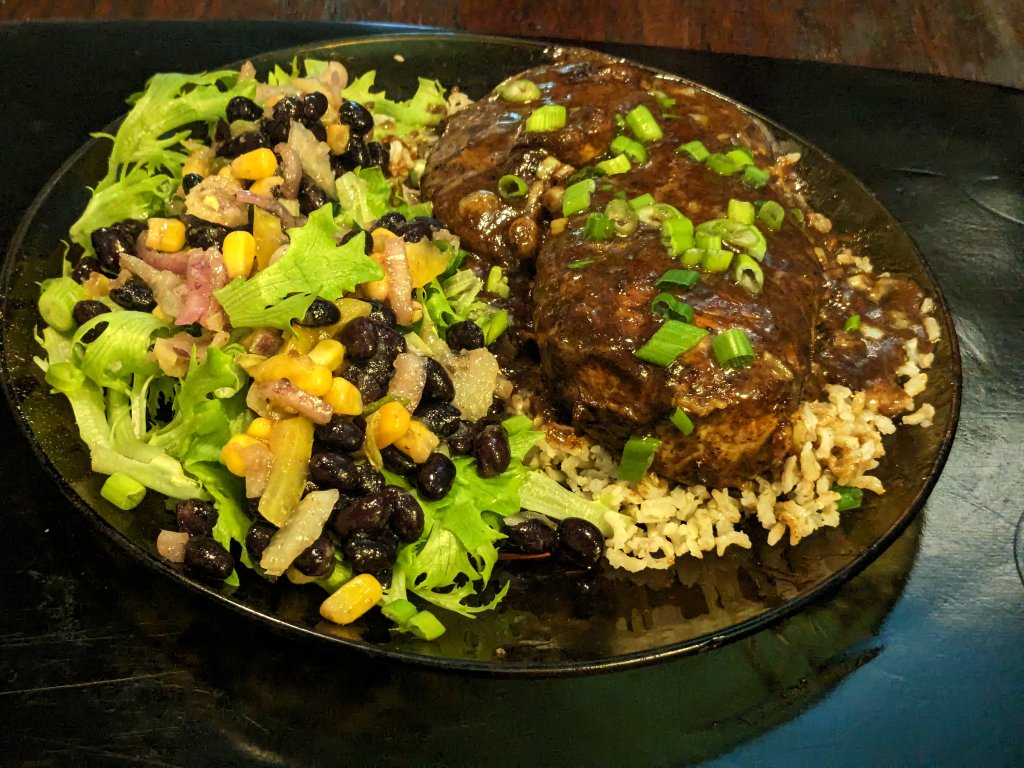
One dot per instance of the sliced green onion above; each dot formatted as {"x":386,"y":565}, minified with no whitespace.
{"x":495,"y":284}
{"x":664,"y":100}
{"x":798,"y":215}
{"x":550,"y":117}
{"x":771,"y":214}
{"x":849,"y":498}
{"x":519,"y":91}
{"x":741,"y":211}
{"x":695,"y":150}
{"x":671,"y":340}
{"x":642,"y":123}
{"x":57,"y":302}
{"x":741,"y":157}
{"x":576,"y":197}
{"x":745,"y":236}
{"x":623,"y":217}
{"x":755,"y":177}
{"x":580,"y":263}
{"x":599,"y":228}
{"x":668,"y":306}
{"x":681,"y":421}
{"x":747,"y":273}
{"x":122,"y":491}
{"x":376,"y":405}
{"x":510,"y":187}
{"x":677,"y":234}
{"x":720,"y":164}
{"x":634,"y":150}
{"x":617,"y":164}
{"x":654,"y":215}
{"x":637,"y":457}
{"x":693,"y":257}
{"x":732,"y":348}
{"x":494,"y":326}
{"x":399,"y":611}
{"x":683,"y":278}
{"x":716,"y":261}
{"x":707,"y":241}
{"x":641,"y":201}
{"x":852,"y":324}
{"x":425,"y":626}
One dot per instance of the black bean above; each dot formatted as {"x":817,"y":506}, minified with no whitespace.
{"x":356,"y":117}
{"x":242,"y":143}
{"x":414,"y":231}
{"x":196,"y":517}
{"x":442,"y":418}
{"x":207,"y":559}
{"x":333,"y":470}
{"x":84,"y":269}
{"x":94,"y":333}
{"x":311,"y":197}
{"x":530,"y":537}
{"x":318,"y":131}
{"x":87,"y":309}
{"x":314,"y":105}
{"x":258,"y":537}
{"x":132,"y":227}
{"x":370,"y":554}
{"x":434,"y":223}
{"x":356,"y":155}
{"x":465,"y":335}
{"x":397,"y":462}
{"x":370,"y":388}
{"x":390,"y":342}
{"x":289,"y":106}
{"x":461,"y":442}
{"x":392,"y":221}
{"x":435,"y":476}
{"x":221,"y":131}
{"x":321,"y":312}
{"x":110,"y":243}
{"x":203,"y":234}
{"x":368,"y":479}
{"x":580,"y":542}
{"x":382,"y":313}
{"x":379,"y":154}
{"x":497,"y":408}
{"x":366,"y":514}
{"x":316,"y":560}
{"x":367,"y":240}
{"x":492,"y":451}
{"x":276,"y":128}
{"x":134,"y":295}
{"x":243,"y":108}
{"x":438,"y":387}
{"x":359,"y":338}
{"x":406,"y":513}
{"x":341,"y":433}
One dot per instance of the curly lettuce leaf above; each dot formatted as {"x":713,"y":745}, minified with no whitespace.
{"x":426,"y":108}
{"x":314,"y":265}
{"x":121,"y":350}
{"x":364,"y":195}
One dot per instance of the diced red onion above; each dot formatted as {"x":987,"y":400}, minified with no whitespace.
{"x":334,"y":77}
{"x":206,"y":274}
{"x":168,"y":289}
{"x":213,"y":199}
{"x":313,"y":154}
{"x":258,"y":460}
{"x":282,"y":393}
{"x":396,"y":266}
{"x":474,"y":375}
{"x":171,"y":545}
{"x":409,"y":379}
{"x":291,"y":170}
{"x":268,"y":204}
{"x":176,"y":262}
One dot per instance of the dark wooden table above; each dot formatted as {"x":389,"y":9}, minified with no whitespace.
{"x":103,"y":662}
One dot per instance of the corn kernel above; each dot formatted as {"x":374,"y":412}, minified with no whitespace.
{"x":380,"y":237}
{"x":392,"y":422}
{"x":260,"y":428}
{"x":239,"y":253}
{"x":232,"y":454}
{"x":377,"y":290}
{"x":344,"y":397}
{"x":265,"y":187}
{"x":329,"y":353}
{"x":166,"y":235}
{"x":418,"y":442}
{"x":298,"y":369}
{"x":337,"y":138}
{"x":266,"y":228}
{"x":257,"y":164}
{"x":352,"y":599}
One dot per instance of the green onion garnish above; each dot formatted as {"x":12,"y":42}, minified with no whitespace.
{"x":653,"y":215}
{"x":747,"y":273}
{"x":510,"y":187}
{"x":671,"y":340}
{"x":716,"y":261}
{"x":693,"y":257}
{"x":741,"y":157}
{"x":745,"y":236}
{"x":634,"y":150}
{"x":852,"y":324}
{"x":399,"y":611}
{"x":642,"y":123}
{"x":122,"y":491}
{"x":849,"y":498}
{"x":550,"y":117}
{"x":683,"y":278}
{"x":771,"y":214}
{"x":681,"y":421}
{"x":637,"y":457}
{"x":576,"y":197}
{"x":755,"y":177}
{"x":732,"y":348}
{"x":668,"y":306}
{"x":798,"y":215}
{"x":741,"y":211}
{"x":519,"y":91}
{"x":425,"y":626}
{"x":677,"y":234}
{"x":664,"y":100}
{"x":623,"y":217}
{"x":695,"y":150}
{"x":617,"y":164}
{"x":641,"y":201}
{"x":706,"y":240}
{"x":494,"y":326}
{"x":580,"y":263}
{"x":720,"y":164}
{"x":495,"y":284}
{"x":599,"y":228}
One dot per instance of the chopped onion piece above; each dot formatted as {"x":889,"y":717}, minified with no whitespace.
{"x":475,"y":377}
{"x":303,"y":527}
{"x":409,"y":379}
{"x":171,"y":545}
{"x":314,"y":156}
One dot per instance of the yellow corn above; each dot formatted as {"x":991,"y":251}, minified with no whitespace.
{"x":337,"y":138}
{"x":231,"y":455}
{"x":418,"y":442}
{"x":329,"y":353}
{"x":344,"y":397}
{"x":260,"y":428}
{"x":258,"y":164}
{"x":266,"y":186}
{"x":239,"y":253}
{"x":166,"y":235}
{"x":392,"y":422}
{"x":380,"y":237}
{"x":298,"y":369}
{"x":352,"y":599}
{"x":266,"y":228}
{"x":376,"y":289}
{"x":426,"y":261}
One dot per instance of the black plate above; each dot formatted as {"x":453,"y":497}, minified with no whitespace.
{"x":548,"y":624}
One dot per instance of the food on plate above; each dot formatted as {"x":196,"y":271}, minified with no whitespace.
{"x":380,"y":345}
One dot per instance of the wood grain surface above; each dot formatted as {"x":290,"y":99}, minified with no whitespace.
{"x":971,"y":39}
